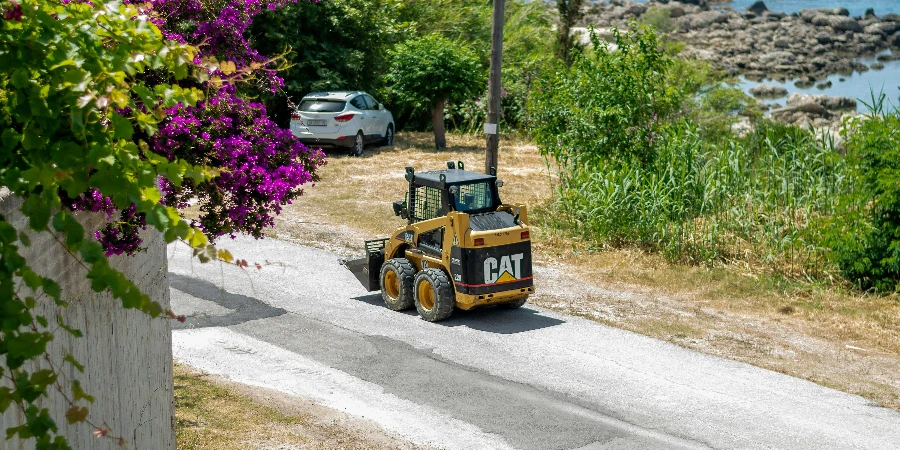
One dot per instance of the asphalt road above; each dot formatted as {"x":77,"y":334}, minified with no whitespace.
{"x":491,"y":379}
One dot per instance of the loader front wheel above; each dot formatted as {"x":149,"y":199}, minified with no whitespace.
{"x":435,"y":298}
{"x":397,"y":276}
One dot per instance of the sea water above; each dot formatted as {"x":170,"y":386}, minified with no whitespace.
{"x":856,"y":7}
{"x":858,"y":85}
{"x":861,"y":86}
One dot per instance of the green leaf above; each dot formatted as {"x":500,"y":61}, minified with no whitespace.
{"x":122,"y":126}
{"x":10,"y":138}
{"x":38,"y":212}
{"x":20,"y":78}
{"x":76,"y":414}
{"x":44,"y":377}
{"x":79,"y":367}
{"x":79,"y":393}
{"x":151,"y":194}
{"x":65,"y":223}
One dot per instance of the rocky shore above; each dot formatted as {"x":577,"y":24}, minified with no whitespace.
{"x":760,"y":44}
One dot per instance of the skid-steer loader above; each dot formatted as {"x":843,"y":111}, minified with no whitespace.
{"x":462,"y":247}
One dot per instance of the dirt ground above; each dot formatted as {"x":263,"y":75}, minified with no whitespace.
{"x":822,"y":334}
{"x":216,"y":414}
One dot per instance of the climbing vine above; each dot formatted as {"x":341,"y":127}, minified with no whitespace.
{"x":130,"y":110}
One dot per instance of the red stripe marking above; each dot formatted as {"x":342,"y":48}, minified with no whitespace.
{"x":493,"y":284}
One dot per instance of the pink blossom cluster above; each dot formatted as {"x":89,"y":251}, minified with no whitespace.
{"x":117,"y":237}
{"x":262,"y":165}
{"x":13,"y":12}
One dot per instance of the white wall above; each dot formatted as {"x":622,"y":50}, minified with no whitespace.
{"x":127,"y":356}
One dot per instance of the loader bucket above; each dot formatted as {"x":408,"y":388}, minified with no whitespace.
{"x":368,"y":268}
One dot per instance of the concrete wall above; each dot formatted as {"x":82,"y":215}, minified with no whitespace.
{"x":127,"y":356}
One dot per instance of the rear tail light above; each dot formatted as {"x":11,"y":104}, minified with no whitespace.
{"x":295,"y":116}
{"x":526,"y":235}
{"x":343,"y":118}
{"x":479,"y":241}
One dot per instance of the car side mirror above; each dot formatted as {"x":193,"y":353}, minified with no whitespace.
{"x":380,"y":106}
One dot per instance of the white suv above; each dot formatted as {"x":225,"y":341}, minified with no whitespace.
{"x":342,"y":119}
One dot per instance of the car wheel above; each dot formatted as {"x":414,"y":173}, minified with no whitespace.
{"x":389,"y":136}
{"x":359,"y":145}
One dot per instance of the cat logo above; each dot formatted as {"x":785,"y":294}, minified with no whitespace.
{"x":508,"y":269}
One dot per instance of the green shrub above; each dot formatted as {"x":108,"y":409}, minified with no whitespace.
{"x":866,"y":237}
{"x":647,"y":158}
{"x":660,"y":18}
{"x":610,"y":104}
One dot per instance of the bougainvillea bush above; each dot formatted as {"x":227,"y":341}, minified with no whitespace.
{"x":130,"y":110}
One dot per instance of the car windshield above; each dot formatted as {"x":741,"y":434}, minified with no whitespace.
{"x":473,"y":196}
{"x":322,"y":106}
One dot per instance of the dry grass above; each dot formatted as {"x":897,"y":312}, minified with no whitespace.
{"x":213,"y":414}
{"x":834,"y":338}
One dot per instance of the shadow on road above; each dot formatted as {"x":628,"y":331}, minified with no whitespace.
{"x":490,"y":319}
{"x":501,"y":321}
{"x":244,"y":309}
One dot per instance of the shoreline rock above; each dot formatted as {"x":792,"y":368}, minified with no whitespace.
{"x":813,"y":43}
{"x":805,"y":47}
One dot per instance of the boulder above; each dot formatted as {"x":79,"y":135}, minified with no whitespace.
{"x":778,"y":58}
{"x":877,"y":66}
{"x":802,"y":102}
{"x":636,"y":9}
{"x":824,"y":39}
{"x":838,"y":103}
{"x":841,"y":12}
{"x":883,"y":28}
{"x":676,"y":12}
{"x":768,"y":91}
{"x":844,"y":23}
{"x":758,"y":8}
{"x":891,"y":18}
{"x":869,"y":13}
{"x":895,"y":41}
{"x":809,"y":14}
{"x":702,"y":20}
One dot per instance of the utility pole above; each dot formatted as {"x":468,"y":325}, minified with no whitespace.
{"x":493,"y":116}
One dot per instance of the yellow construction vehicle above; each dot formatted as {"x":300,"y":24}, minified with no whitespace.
{"x":462,"y":247}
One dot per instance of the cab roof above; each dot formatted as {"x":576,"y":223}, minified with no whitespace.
{"x":452,"y":176}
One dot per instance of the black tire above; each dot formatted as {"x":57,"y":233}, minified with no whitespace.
{"x":398,"y":293}
{"x":359,"y":145}
{"x":388,"y":136}
{"x":514,"y":305}
{"x":433,"y":289}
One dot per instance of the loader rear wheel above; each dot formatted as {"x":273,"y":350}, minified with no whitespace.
{"x":397,"y":276}
{"x":515,"y":304}
{"x":435,"y":298}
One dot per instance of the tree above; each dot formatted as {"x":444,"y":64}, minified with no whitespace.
{"x":106,"y":106}
{"x":427,"y":72}
{"x":569,"y":13}
{"x":334,"y":45}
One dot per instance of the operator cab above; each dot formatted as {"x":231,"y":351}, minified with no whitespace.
{"x":438,"y":192}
